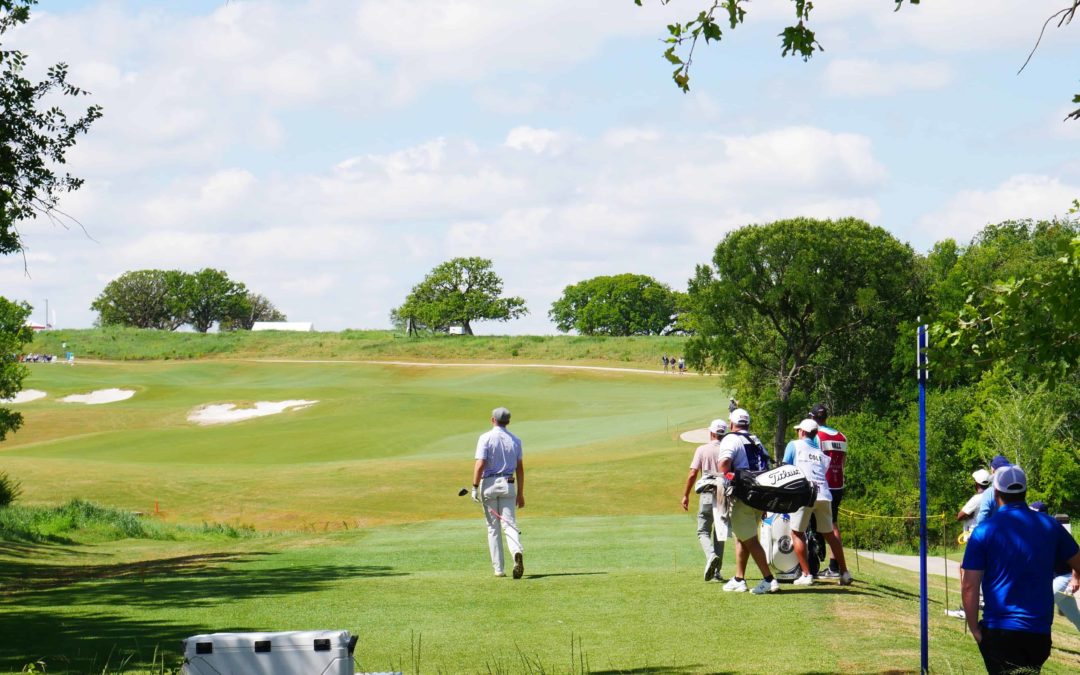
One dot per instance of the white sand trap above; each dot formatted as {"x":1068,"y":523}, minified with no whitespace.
{"x":100,"y":396}
{"x":25,"y":396}
{"x":698,"y":436}
{"x":226,"y":413}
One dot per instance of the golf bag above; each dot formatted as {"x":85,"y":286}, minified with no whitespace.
{"x":784,"y":489}
{"x":775,"y":537}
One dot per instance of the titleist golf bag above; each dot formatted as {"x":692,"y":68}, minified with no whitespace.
{"x":784,"y":489}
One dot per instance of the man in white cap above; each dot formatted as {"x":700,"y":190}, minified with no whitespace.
{"x":967,"y":516}
{"x":1010,"y":558}
{"x":744,"y":518}
{"x":706,"y":461}
{"x":499,"y":485}
{"x":805,"y":454}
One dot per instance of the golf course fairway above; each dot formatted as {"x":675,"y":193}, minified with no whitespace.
{"x":345,"y":514}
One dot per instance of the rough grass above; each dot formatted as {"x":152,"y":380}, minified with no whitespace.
{"x":134,"y":344}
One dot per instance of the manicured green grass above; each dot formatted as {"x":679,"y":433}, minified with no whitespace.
{"x":135,"y":344}
{"x":620,"y":594}
{"x":360,"y":528}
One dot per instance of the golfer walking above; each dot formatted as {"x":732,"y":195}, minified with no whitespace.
{"x":1010,"y":559}
{"x":498,"y":485}
{"x":834,"y":445}
{"x":707,"y":460}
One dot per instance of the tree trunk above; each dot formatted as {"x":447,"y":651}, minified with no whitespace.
{"x":786,"y":385}
{"x":466,"y":328}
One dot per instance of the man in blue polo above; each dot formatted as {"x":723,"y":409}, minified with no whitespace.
{"x":1010,"y":559}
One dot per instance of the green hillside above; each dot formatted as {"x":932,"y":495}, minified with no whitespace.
{"x":136,"y":344}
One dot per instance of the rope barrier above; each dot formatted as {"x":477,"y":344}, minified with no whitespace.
{"x":870,"y":515}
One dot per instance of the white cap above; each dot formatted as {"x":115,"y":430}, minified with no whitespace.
{"x":1010,"y":480}
{"x":718,"y":427}
{"x":982,"y":477}
{"x":739,"y":416}
{"x":808,"y":425}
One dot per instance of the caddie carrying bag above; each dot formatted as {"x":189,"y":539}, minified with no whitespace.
{"x":784,"y":489}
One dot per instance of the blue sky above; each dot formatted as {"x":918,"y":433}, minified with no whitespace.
{"x":329,"y":153}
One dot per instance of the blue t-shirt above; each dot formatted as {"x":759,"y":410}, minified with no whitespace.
{"x":987,"y":506}
{"x":1017,"y":551}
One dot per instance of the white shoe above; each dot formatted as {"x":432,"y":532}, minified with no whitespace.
{"x":766,"y":587}
{"x":845,"y":578}
{"x":733,"y":586}
{"x":804,"y":580}
{"x":500,"y":574}
{"x":956,"y":613}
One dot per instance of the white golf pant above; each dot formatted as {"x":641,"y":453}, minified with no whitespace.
{"x":501,"y":496}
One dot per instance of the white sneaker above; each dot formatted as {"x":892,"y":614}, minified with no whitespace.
{"x":500,"y":574}
{"x":956,"y":613}
{"x":804,"y":580}
{"x":733,"y":586}
{"x":766,"y":587}
{"x":845,"y":578}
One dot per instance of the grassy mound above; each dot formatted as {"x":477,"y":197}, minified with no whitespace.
{"x":82,"y":521}
{"x":134,"y":344}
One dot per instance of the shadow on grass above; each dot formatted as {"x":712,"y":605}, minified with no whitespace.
{"x":61,"y":612}
{"x":662,"y":670}
{"x":527,"y":577}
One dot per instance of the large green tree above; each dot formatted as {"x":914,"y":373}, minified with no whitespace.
{"x":144,"y":299}
{"x":709,"y":18}
{"x":789,"y":301}
{"x":211,"y":296}
{"x":623,"y":304}
{"x":35,"y":136}
{"x":457,"y":292}
{"x":14,"y":333}
{"x":253,"y":307}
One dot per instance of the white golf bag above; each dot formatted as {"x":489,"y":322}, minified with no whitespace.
{"x":774,"y":533}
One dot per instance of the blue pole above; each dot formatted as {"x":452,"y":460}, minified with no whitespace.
{"x":923,"y":613}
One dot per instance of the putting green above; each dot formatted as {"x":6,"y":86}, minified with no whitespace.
{"x":383,"y":444}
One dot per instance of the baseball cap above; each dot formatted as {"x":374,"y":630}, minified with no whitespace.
{"x":1010,"y":480}
{"x":501,"y":415}
{"x":718,"y":427}
{"x":739,"y":416}
{"x":982,"y":477}
{"x":1038,"y":506}
{"x":819,"y":411}
{"x":808,"y":425}
{"x":998,"y":462}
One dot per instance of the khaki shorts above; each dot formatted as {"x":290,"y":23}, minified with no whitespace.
{"x":745,"y":520}
{"x":800,"y":520}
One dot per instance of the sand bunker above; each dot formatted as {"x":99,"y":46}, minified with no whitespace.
{"x":226,"y":413}
{"x":698,"y":436}
{"x":25,"y":396}
{"x":100,"y":396}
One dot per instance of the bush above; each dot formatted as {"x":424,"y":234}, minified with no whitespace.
{"x":10,"y":489}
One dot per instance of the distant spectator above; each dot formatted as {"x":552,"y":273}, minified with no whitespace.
{"x":664,"y":360}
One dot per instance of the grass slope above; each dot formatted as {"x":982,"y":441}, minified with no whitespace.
{"x":135,"y":344}
{"x":615,"y":594}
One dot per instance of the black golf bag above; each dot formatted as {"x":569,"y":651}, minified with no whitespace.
{"x":784,"y":489}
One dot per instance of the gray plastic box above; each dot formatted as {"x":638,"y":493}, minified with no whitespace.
{"x":314,"y":652}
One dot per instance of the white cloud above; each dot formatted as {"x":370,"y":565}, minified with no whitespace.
{"x":857,"y":78}
{"x":1023,"y":196}
{"x":539,"y":141}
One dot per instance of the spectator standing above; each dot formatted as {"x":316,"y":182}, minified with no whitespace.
{"x":1065,"y":601}
{"x":664,"y":360}
{"x":1010,"y":559}
{"x":806,"y":454}
{"x":966,"y":515}
{"x":706,"y":461}
{"x":498,"y":486}
{"x":834,"y":445}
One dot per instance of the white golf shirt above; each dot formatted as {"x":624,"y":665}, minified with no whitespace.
{"x":813,"y":462}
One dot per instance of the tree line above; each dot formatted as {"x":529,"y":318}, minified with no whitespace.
{"x":169,"y":299}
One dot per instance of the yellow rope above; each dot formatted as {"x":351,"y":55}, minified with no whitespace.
{"x":868,"y":515}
